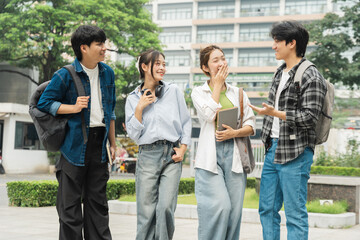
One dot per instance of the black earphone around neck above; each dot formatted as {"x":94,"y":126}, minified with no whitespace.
{"x":158,"y":89}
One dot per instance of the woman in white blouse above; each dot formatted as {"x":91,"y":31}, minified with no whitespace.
{"x":219,"y":178}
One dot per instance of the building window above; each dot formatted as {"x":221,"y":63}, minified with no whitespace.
{"x":26,"y":137}
{"x":257,"y":57}
{"x":228,"y":56}
{"x":251,"y":8}
{"x":148,"y":8}
{"x":224,"y":9}
{"x":175,"y":35}
{"x":218,"y":34}
{"x":125,"y":59}
{"x":339,"y":5}
{"x":293,"y":7}
{"x":175,"y":11}
{"x":177,"y":58}
{"x":181,"y":80}
{"x":254,"y":32}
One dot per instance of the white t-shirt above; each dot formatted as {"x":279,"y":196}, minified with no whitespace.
{"x":96,"y":111}
{"x":276,"y":125}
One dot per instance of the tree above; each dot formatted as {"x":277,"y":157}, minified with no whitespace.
{"x":335,"y":35}
{"x":37,"y":34}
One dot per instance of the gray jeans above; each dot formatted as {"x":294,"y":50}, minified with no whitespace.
{"x":157,"y":184}
{"x":220,"y":197}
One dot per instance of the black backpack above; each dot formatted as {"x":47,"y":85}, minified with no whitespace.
{"x":52,"y":130}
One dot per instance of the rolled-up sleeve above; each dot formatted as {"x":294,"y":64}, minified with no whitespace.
{"x":205,"y":105}
{"x":51,"y":98}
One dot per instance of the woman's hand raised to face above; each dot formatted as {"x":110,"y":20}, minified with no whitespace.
{"x":221,"y":75}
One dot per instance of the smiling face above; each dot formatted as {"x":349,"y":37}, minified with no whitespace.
{"x":282,"y":50}
{"x":158,"y":70}
{"x":95,"y":52}
{"x":216,"y":60}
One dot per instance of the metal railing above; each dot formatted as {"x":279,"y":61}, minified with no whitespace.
{"x":258,"y":151}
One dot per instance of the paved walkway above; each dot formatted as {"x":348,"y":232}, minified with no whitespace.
{"x":18,"y":223}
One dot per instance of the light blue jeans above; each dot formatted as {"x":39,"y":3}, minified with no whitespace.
{"x":220,"y":197}
{"x":157,"y":184}
{"x":285,"y":183}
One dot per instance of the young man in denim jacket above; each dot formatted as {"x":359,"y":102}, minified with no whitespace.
{"x":82,"y":171}
{"x":289,"y":134}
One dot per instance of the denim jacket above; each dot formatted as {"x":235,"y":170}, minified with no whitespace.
{"x":61,"y":90}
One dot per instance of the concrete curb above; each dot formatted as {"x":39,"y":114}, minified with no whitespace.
{"x":319,"y":220}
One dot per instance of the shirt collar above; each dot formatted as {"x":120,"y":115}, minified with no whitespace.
{"x":137,"y":90}
{"x":293,"y":70}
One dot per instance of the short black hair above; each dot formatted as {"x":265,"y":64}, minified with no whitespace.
{"x":86,"y":34}
{"x":150,"y":55}
{"x":291,"y":30}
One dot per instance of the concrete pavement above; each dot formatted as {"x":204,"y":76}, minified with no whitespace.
{"x":42,"y":224}
{"x":17,"y":223}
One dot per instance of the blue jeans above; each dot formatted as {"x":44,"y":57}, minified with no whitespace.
{"x":220,"y":197}
{"x":157,"y":184}
{"x":285,"y":183}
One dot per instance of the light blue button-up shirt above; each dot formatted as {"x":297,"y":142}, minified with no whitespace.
{"x":165,"y":119}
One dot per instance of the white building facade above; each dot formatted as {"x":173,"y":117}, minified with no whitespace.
{"x":20,"y":148}
{"x":240,"y":27}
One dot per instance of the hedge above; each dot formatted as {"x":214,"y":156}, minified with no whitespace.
{"x":338,"y":171}
{"x":32,"y":193}
{"x":43,"y":193}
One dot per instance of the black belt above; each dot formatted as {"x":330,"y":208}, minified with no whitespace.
{"x":96,"y":130}
{"x":162,"y":142}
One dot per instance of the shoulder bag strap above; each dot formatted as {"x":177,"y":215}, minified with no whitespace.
{"x":241,"y":100}
{"x":81,"y":92}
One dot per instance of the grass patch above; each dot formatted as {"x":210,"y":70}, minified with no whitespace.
{"x":336,"y":208}
{"x":251,"y":200}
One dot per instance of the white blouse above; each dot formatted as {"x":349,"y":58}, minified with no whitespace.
{"x":206,"y":110}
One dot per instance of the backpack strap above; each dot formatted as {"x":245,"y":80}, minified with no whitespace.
{"x":241,"y":100}
{"x":81,"y":92}
{"x":300,"y":71}
{"x":298,"y":76}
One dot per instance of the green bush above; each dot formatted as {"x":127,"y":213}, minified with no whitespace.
{"x":43,"y":193}
{"x":32,"y":193}
{"x":338,"y":171}
{"x":336,"y":208}
{"x":350,"y":159}
{"x":251,"y":183}
{"x":187,"y":185}
{"x":116,"y":188}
